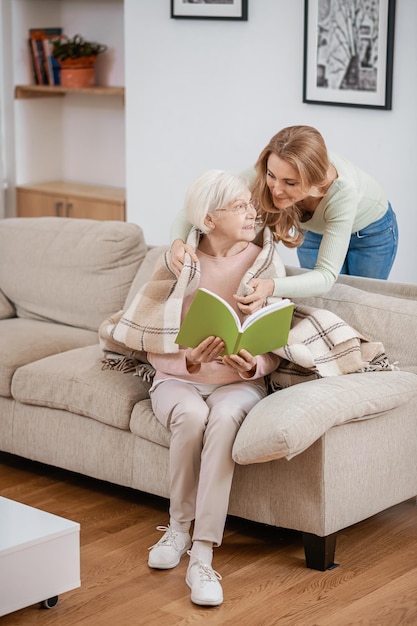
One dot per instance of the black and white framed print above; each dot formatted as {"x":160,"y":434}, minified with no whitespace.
{"x":348,"y":52}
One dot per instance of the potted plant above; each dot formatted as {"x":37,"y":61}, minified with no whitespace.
{"x":77,"y":58}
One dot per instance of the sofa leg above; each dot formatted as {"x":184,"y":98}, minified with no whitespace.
{"x":319,"y":551}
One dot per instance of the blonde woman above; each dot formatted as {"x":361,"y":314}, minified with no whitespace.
{"x":336,"y":215}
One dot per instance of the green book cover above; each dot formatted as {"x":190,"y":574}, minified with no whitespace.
{"x":209,"y":315}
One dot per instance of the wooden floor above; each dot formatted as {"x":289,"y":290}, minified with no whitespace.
{"x":265,"y":580}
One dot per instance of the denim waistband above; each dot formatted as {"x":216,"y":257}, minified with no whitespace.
{"x":388,"y":212}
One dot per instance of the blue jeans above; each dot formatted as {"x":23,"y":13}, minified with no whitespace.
{"x":371,"y":251}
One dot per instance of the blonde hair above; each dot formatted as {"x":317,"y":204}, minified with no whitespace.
{"x":304,"y":149}
{"x":209,"y":192}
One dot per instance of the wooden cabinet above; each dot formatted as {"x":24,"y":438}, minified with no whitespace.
{"x":63,"y":199}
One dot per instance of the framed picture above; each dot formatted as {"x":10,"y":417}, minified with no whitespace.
{"x":348,"y":52}
{"x":210,"y":9}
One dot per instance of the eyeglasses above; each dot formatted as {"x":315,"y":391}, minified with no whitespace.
{"x":242,"y":207}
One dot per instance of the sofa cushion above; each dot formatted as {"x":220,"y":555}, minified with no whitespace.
{"x":24,"y":341}
{"x":6,"y":307}
{"x":287,"y":422}
{"x":391,"y":320}
{"x":75,"y":381}
{"x":71,"y":271}
{"x":144,"y":272}
{"x":144,"y":424}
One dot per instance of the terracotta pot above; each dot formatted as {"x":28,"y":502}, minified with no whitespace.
{"x":78,"y":72}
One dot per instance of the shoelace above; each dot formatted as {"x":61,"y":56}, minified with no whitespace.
{"x":207,"y":573}
{"x":168,"y":540}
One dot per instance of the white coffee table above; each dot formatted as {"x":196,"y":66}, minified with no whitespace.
{"x":39,"y":556}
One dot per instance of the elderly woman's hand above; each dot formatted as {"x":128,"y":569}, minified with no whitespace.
{"x":178,"y":250}
{"x":244,"y":363}
{"x":207,"y":351}
{"x":263,"y":288}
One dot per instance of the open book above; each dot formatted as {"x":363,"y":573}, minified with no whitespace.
{"x":209,"y":315}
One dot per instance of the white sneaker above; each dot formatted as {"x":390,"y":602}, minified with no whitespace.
{"x":167,"y":553}
{"x":203,"y":581}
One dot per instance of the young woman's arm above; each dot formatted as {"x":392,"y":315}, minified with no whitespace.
{"x":180,"y":229}
{"x":337,"y":220}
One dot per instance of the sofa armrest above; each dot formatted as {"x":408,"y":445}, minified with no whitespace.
{"x":287,"y":422}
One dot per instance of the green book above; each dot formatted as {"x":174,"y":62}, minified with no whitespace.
{"x":209,"y":315}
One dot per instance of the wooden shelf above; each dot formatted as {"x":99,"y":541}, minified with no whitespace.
{"x":47,"y":91}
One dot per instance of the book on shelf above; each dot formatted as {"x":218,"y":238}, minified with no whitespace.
{"x":210,"y":315}
{"x":35,"y":67}
{"x":45,"y":66}
{"x":37,"y":57}
{"x":52,"y":66}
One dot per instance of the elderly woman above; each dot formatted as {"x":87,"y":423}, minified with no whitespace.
{"x":201,"y":397}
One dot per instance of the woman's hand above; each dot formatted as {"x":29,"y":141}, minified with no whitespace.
{"x":178,"y":250}
{"x":207,"y":351}
{"x":263,"y":288}
{"x":244,"y":363}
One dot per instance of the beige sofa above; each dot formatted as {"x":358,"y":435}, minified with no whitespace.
{"x":316,"y":457}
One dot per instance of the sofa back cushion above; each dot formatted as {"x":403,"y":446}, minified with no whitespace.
{"x":6,"y":307}
{"x":378,"y":317}
{"x":144,"y":273}
{"x":70,"y":271}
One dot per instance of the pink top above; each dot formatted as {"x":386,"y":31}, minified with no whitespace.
{"x":221,"y":275}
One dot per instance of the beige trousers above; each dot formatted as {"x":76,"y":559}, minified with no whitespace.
{"x":203,"y":428}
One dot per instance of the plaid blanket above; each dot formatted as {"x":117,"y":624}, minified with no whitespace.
{"x":320,"y":344}
{"x":151,"y":323}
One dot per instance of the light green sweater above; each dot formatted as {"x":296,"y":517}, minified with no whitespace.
{"x":353,"y":201}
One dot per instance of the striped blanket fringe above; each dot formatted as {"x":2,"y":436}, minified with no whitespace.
{"x":118,"y":362}
{"x":289,"y":374}
{"x":127,"y":365}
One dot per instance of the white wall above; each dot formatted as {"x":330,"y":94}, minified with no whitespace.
{"x":101,"y":120}
{"x":209,"y":93}
{"x":4,"y":44}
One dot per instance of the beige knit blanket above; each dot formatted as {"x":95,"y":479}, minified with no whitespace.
{"x":320,"y":343}
{"x":151,"y":323}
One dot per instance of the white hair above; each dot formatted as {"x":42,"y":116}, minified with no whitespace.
{"x":209,"y":192}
